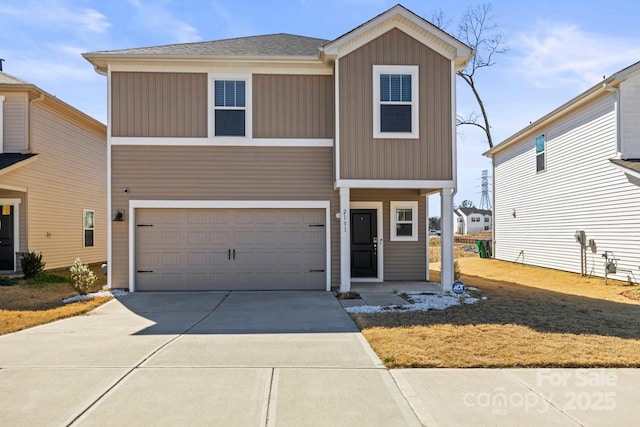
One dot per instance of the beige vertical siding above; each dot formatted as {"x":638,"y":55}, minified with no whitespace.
{"x":15,"y":121}
{"x":159,"y":104}
{"x":218,"y":173}
{"x":69,"y":175}
{"x":361,"y":156}
{"x":402,"y":260}
{"x":293,"y":106}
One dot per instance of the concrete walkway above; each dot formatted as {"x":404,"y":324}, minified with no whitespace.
{"x":241,"y":358}
{"x":266,"y":359}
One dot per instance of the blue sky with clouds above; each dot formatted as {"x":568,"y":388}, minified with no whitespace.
{"x":557,"y":48}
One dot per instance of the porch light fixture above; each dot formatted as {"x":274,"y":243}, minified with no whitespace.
{"x":119,"y":216}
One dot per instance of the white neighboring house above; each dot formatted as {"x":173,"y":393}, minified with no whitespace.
{"x":471,"y":220}
{"x":575,"y":169}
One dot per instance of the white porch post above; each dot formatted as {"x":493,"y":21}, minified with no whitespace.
{"x":446,"y":222}
{"x":345,"y":241}
{"x":426,"y":214}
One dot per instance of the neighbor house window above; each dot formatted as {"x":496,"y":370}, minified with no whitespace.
{"x":475,"y":219}
{"x":395,"y":101}
{"x":404,"y":221}
{"x":486,"y":219}
{"x":231,"y":106}
{"x":541,"y":163}
{"x":88,"y":226}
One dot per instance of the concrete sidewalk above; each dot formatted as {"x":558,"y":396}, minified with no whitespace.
{"x":241,"y":358}
{"x":266,"y":359}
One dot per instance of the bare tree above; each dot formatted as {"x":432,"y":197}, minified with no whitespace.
{"x":467,"y":204}
{"x":478,"y":30}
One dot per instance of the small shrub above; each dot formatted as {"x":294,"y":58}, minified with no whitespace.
{"x":32,"y":264}
{"x":456,"y":270}
{"x":82,"y":278}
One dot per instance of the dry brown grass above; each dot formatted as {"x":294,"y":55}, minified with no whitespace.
{"x":37,"y":301}
{"x":533,"y":317}
{"x":16,"y":320}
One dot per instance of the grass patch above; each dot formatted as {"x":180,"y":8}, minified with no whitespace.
{"x":16,"y":320}
{"x":39,"y":300}
{"x":533,"y":317}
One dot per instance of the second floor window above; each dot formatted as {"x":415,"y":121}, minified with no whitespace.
{"x":475,"y":219}
{"x":541,"y":161}
{"x":395,"y":101}
{"x":230,"y":107}
{"x":486,"y":219}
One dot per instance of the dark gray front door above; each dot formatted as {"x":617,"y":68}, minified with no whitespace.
{"x":6,"y":238}
{"x":364,"y":243}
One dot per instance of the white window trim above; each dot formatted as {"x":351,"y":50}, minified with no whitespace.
{"x":413,"y":70}
{"x":414,"y":221}
{"x":248,"y":115}
{"x":379,"y":224}
{"x":543,"y":153}
{"x":1,"y":124}
{"x":84,"y":212}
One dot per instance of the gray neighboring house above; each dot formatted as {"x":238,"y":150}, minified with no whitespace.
{"x":282,"y":161}
{"x":53,"y":173}
{"x":574,"y":172}
{"x":472,"y":220}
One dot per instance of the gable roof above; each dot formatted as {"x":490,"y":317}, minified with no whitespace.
{"x":469,"y":211}
{"x":283,"y":46}
{"x":12,"y":161}
{"x":599,"y":89}
{"x":287,"y":45}
{"x":8,"y":79}
{"x":9,"y":83}
{"x":414,"y":25}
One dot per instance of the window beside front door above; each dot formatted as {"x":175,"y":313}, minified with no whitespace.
{"x":404,"y":221}
{"x":88,"y":226}
{"x":395,"y":101}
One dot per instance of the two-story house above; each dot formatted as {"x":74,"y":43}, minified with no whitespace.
{"x":471,"y":220}
{"x":567,"y":187}
{"x":53,"y":167}
{"x":282,"y":161}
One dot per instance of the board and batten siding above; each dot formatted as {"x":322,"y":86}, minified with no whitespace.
{"x":293,"y":106}
{"x":158,"y":104}
{"x":218,"y":173}
{"x":630,"y":112}
{"x":68,"y":175}
{"x":579,"y":190}
{"x":362,"y":156}
{"x":16,"y":122}
{"x":402,"y":260}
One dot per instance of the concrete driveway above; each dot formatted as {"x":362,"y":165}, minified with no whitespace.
{"x":200,"y":358}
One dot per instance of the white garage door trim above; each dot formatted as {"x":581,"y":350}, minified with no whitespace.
{"x":222,"y":204}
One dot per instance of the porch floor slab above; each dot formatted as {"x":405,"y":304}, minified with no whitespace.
{"x":391,"y":286}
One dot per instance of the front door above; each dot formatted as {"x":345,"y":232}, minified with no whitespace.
{"x":364,"y":243}
{"x":6,"y":238}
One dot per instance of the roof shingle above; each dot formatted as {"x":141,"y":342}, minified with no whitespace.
{"x":267,"y":45}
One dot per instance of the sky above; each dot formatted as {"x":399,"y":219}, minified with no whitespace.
{"x":557,"y":49}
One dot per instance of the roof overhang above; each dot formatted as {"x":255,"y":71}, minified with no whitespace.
{"x":27,"y":159}
{"x":102,"y":61}
{"x":630,"y":167}
{"x":408,"y":22}
{"x":600,"y":89}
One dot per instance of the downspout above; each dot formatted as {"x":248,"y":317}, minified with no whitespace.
{"x":616,"y":90}
{"x":30,"y":132}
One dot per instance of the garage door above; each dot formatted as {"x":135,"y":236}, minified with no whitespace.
{"x":238,"y":249}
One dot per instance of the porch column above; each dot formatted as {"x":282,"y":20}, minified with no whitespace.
{"x":345,"y":241}
{"x":426,"y":214}
{"x":446,"y":223}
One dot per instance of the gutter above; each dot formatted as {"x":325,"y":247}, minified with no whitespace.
{"x":30,"y":133}
{"x":564,"y":109}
